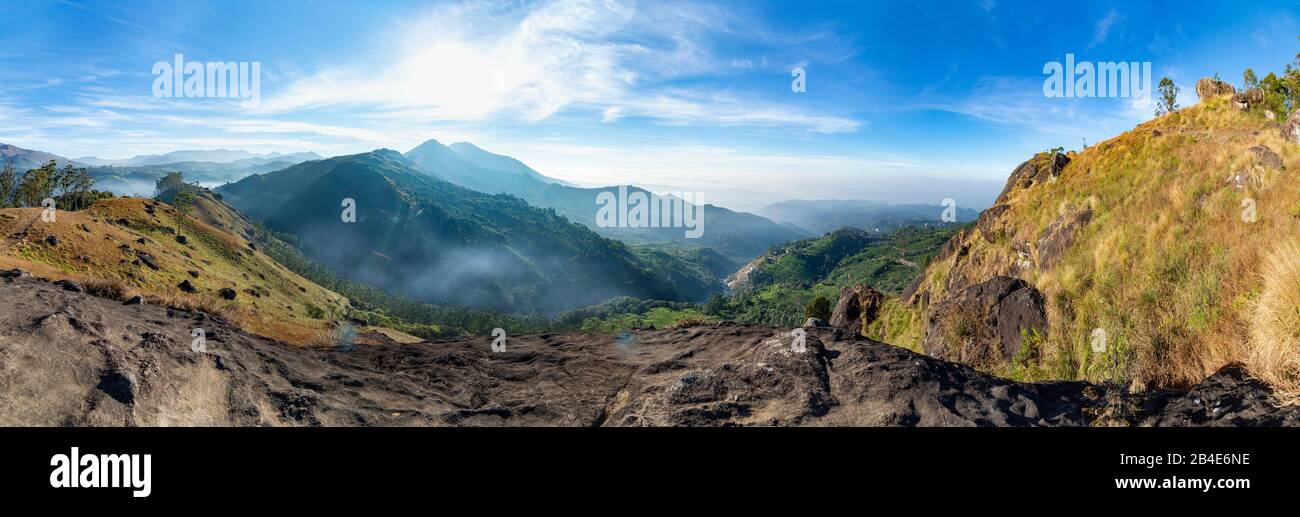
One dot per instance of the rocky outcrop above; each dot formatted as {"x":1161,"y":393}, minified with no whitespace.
{"x":1246,"y":100}
{"x":1227,"y":398}
{"x":990,"y":223}
{"x":1266,"y":157}
{"x":1253,"y":175}
{"x":1291,"y":129}
{"x":857,"y":307}
{"x":1059,"y":235}
{"x":985,"y":324}
{"x":1209,"y":87}
{"x":1043,"y":167}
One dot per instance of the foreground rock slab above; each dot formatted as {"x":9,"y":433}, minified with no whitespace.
{"x":67,"y":358}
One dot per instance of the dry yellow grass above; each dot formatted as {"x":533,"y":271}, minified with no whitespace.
{"x":1169,"y":266}
{"x":1274,"y":354}
{"x":96,"y":250}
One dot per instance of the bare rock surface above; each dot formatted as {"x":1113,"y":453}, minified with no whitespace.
{"x":67,"y":358}
{"x":1208,"y":87}
{"x":857,"y":306}
{"x":986,"y":323}
{"x":1059,"y":235}
{"x":1291,"y":129}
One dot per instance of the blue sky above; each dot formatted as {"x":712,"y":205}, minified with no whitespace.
{"x":906,"y":101}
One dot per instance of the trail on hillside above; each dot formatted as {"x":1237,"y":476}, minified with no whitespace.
{"x":21,"y":231}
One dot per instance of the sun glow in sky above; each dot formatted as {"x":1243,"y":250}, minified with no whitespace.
{"x":682,"y":96}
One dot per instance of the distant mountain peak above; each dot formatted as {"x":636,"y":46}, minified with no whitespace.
{"x":24,"y":159}
{"x":466,"y":146}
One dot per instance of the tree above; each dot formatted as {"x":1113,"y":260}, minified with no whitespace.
{"x":37,"y":184}
{"x":1168,"y":97}
{"x":819,"y":308}
{"x":170,"y":181}
{"x":715,"y":305}
{"x":1248,"y":79}
{"x":77,"y":194}
{"x":184,"y":201}
{"x":8,"y":184}
{"x":1275,"y":93}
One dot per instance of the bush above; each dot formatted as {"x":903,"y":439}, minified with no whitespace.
{"x":110,"y":288}
{"x":819,"y":308}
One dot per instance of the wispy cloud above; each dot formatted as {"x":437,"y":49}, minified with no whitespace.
{"x":1019,"y":102}
{"x":470,"y":62}
{"x":1103,"y":27}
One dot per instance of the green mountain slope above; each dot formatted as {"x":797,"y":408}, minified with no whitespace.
{"x":774,"y":288}
{"x":27,"y":159}
{"x":498,"y":178}
{"x":739,"y":236}
{"x":436,"y":241}
{"x":496,"y":162}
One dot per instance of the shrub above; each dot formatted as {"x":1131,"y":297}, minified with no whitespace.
{"x":819,"y":308}
{"x":110,"y":288}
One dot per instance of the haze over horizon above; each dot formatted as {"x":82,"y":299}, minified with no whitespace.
{"x":670,"y":96}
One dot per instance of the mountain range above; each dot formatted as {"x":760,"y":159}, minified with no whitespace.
{"x":138,"y":180}
{"x":210,"y":156}
{"x":823,"y":216}
{"x":26,"y":159}
{"x":737,"y":235}
{"x":419,"y":235}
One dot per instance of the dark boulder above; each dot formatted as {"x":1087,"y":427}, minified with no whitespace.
{"x":182,"y":239}
{"x":1291,"y":129}
{"x":15,"y":273}
{"x":148,"y":260}
{"x":1059,"y":235}
{"x":1229,"y":398}
{"x":990,"y":224}
{"x":1043,"y":167}
{"x":1244,"y":101}
{"x":186,"y":286}
{"x":1266,"y":157}
{"x":857,"y":307}
{"x":227,"y":293}
{"x":52,"y":240}
{"x":985,"y":324}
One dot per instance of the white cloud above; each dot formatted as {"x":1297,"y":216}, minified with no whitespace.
{"x":1019,"y":102}
{"x":1103,"y":27}
{"x":477,"y":62}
